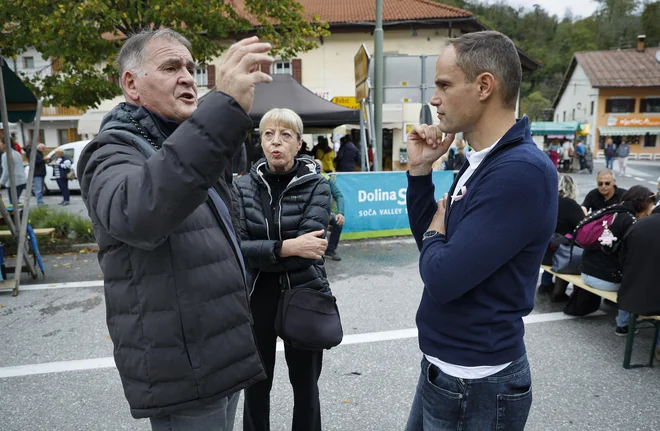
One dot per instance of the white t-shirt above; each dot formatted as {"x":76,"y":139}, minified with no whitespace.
{"x":474,"y":159}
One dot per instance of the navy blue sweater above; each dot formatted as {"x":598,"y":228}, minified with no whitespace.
{"x":480,"y":278}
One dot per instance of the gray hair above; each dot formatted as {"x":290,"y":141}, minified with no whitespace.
{"x":132,"y":54}
{"x":567,"y":187}
{"x":494,"y":53}
{"x":606,"y":172}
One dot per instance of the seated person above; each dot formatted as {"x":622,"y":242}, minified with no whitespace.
{"x":640,"y":254}
{"x":607,"y":193}
{"x":601,"y":267}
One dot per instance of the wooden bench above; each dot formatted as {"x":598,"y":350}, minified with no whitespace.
{"x":42,"y":231}
{"x":576,"y":280}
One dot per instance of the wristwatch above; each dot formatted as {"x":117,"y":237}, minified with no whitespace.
{"x":429,"y":234}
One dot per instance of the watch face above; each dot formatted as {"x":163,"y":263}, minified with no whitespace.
{"x":430,"y":234}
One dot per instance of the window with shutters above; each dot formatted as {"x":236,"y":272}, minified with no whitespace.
{"x":620,"y":106}
{"x":650,"y":105}
{"x":201,"y":76}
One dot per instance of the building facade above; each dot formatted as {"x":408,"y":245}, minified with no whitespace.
{"x":617,"y":93}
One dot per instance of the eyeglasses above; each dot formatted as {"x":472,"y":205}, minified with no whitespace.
{"x":603,"y":183}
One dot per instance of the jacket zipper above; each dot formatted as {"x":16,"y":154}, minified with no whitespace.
{"x":279,"y":218}
{"x":483,"y":163}
{"x":254,"y":285}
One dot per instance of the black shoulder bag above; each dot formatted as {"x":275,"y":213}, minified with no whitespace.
{"x":307,"y":319}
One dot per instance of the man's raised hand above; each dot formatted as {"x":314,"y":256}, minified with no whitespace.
{"x":239,"y":73}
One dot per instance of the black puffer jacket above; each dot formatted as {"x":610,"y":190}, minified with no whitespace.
{"x":176,"y":297}
{"x":303,"y":207}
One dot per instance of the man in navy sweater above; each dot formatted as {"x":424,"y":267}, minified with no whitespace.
{"x":482,"y":245}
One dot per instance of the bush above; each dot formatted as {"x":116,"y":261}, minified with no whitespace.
{"x":66,"y":225}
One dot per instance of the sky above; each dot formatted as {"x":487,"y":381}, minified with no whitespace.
{"x":556,"y":7}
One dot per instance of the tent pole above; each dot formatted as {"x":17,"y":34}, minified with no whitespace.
{"x":22,"y":228}
{"x":5,"y":128}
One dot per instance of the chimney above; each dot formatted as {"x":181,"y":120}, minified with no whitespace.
{"x":640,"y":42}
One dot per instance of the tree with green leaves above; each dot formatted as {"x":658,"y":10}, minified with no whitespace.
{"x":84,"y":37}
{"x":651,"y":23}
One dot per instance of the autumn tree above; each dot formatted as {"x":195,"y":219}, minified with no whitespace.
{"x":83,"y":37}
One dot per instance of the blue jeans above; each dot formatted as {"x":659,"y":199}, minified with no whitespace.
{"x":546,"y":278}
{"x":19,"y":190}
{"x":498,"y":402}
{"x":623,"y":317}
{"x":38,"y":188}
{"x":218,"y":416}
{"x":609,"y":162}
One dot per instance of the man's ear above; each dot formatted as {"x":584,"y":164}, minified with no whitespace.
{"x":129,"y":85}
{"x":485,"y":85}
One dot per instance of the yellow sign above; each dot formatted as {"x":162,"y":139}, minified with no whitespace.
{"x":361,"y":60}
{"x":347,"y":101}
{"x":627,"y":121}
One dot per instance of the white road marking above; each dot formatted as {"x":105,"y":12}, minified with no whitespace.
{"x":73,"y":284}
{"x":369,"y":337}
{"x":640,"y":179}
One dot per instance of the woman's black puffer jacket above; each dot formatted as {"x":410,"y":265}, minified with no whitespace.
{"x":304,"y":206}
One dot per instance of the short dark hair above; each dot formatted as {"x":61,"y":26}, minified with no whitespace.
{"x":638,"y":198}
{"x":494,"y":53}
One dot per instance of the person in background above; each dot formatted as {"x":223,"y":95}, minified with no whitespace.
{"x":61,"y":167}
{"x":601,"y":267}
{"x":481,"y":246}
{"x":19,"y":172}
{"x":283,"y":212}
{"x":622,"y":153}
{"x":607,"y":193}
{"x":459,"y":156}
{"x":567,"y":153}
{"x":570,"y":214}
{"x":336,"y":219}
{"x":39,"y":171}
{"x":609,"y":154}
{"x":348,"y":157}
{"x":640,"y":253}
{"x":325,"y":154}
{"x":554,"y":151}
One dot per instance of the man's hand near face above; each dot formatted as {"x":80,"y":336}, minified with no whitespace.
{"x":425,"y":146}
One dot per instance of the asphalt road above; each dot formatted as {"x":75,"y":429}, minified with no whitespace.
{"x":367,"y":382}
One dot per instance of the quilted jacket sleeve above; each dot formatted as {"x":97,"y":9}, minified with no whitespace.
{"x":257,"y":252}
{"x":141,"y":202}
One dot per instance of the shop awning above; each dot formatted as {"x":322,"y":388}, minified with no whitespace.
{"x":555,"y":128}
{"x":628,"y":131}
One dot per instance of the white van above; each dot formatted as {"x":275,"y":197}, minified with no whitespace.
{"x":72,"y":150}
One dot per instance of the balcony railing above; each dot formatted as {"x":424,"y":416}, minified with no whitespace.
{"x":51,"y":111}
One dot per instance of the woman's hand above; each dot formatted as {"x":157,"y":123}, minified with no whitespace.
{"x":308,"y":246}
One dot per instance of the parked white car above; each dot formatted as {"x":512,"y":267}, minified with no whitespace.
{"x":72,"y":150}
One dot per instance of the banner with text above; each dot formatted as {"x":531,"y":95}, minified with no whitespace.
{"x":375,"y":202}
